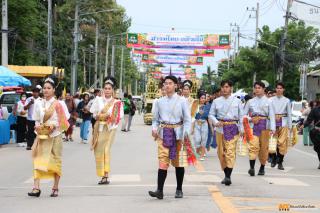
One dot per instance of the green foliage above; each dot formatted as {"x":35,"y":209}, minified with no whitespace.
{"x":28,"y":34}
{"x":302,"y":46}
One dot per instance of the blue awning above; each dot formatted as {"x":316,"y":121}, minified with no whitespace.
{"x":10,"y":78}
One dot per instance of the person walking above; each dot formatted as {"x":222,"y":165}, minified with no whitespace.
{"x":200,"y":127}
{"x":171,"y":124}
{"x":261,"y":112}
{"x":108,"y":112}
{"x":132,"y":112}
{"x":69,"y":101}
{"x":85,"y":115}
{"x":226,"y":113}
{"x":126,"y":109}
{"x":30,"y":121}
{"x":51,"y":117}
{"x":283,"y":119}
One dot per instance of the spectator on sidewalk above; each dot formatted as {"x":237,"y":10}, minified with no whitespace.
{"x":30,"y":121}
{"x":22,"y":118}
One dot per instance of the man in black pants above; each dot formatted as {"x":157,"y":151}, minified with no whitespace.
{"x":314,"y":117}
{"x":30,"y":122}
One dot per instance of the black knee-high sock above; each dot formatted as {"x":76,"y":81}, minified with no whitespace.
{"x":225,"y":171}
{"x":228,"y":172}
{"x":252,"y":163}
{"x":319,"y":155}
{"x":179,"y":177}
{"x":262,"y":167}
{"x":162,"y":175}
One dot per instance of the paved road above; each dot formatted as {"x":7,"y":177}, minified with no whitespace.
{"x":134,"y":170}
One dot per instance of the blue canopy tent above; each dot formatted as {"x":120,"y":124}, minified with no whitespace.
{"x":10,"y":78}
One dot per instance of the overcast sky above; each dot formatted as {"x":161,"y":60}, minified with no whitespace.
{"x":204,"y":16}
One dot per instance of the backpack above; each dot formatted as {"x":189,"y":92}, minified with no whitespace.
{"x":126,"y":106}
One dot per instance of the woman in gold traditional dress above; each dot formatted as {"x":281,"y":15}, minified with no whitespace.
{"x":51,"y":117}
{"x":108,"y":112}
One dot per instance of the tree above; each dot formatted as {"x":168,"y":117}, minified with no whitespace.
{"x":302,"y":46}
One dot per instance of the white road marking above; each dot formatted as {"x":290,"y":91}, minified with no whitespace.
{"x":286,"y":168}
{"x":285,"y":181}
{"x":268,"y":174}
{"x":114,"y":185}
{"x":125,"y":178}
{"x":305,"y":153}
{"x":202,"y":178}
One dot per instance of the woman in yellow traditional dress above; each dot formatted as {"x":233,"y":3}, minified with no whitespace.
{"x":51,"y":117}
{"x":108,"y":112}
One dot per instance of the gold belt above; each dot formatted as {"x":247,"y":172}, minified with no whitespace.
{"x":278,"y":116}
{"x":228,"y":122}
{"x":200,"y":122}
{"x":170,"y":126}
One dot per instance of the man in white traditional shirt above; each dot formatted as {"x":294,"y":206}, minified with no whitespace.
{"x":171,"y":123}
{"x":283,"y":120}
{"x":261,"y":112}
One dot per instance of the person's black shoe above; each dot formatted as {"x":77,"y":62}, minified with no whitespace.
{"x":261,"y":171}
{"x":228,"y":181}
{"x":251,"y":172}
{"x":34,"y":193}
{"x":223,"y":181}
{"x":104,"y":181}
{"x":28,"y":148}
{"x":158,"y":194}
{"x":280,"y":166}
{"x":179,"y":194}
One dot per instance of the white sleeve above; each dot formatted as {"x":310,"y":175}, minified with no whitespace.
{"x":36,"y":112}
{"x":121,"y":111}
{"x":65,"y":109}
{"x":94,"y":109}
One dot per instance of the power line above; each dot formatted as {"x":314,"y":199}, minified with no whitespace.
{"x":306,"y":3}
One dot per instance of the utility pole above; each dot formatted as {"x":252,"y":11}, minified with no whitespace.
{"x":112,"y":60}
{"x":89,"y":67}
{"x":49,"y":33}
{"x":4,"y":30}
{"x":74,"y":61}
{"x":257,"y":34}
{"x":283,"y":41}
{"x":107,"y":56}
{"x":238,"y":28}
{"x":121,"y":70}
{"x":96,"y":56}
{"x":84,"y":67}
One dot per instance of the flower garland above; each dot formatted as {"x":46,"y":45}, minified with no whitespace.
{"x":191,"y":156}
{"x":114,"y":118}
{"x":247,"y":130}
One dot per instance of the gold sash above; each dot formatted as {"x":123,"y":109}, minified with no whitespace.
{"x":47,"y":115}
{"x":95,"y":134}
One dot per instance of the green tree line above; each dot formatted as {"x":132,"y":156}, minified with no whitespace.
{"x":28,"y":36}
{"x":302,"y":46}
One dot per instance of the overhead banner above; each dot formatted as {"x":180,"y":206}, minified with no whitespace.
{"x":169,"y":59}
{"x":178,"y":40}
{"x":309,"y":13}
{"x":172,"y":51}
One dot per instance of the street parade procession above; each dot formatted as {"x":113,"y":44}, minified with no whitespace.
{"x":105,"y":110}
